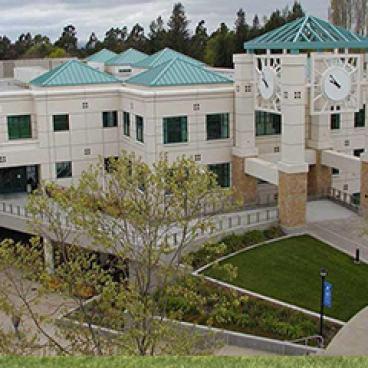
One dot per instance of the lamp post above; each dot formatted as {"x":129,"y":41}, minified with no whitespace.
{"x":323,"y":274}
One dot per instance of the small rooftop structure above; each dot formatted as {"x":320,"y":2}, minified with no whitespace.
{"x":101,"y":56}
{"x":177,"y":72}
{"x":127,"y":57}
{"x":163,"y":56}
{"x":73,"y":73}
{"x":307,"y":33}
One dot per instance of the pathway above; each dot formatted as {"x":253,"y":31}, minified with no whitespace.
{"x":338,"y":226}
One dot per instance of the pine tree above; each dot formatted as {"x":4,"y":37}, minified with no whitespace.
{"x":136,"y":38}
{"x":178,"y":33}
{"x":68,"y":40}
{"x":199,"y":41}
{"x":156,"y":35}
{"x":241,"y":31}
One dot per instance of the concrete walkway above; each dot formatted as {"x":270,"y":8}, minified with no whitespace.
{"x":230,"y":350}
{"x":338,"y":226}
{"x":352,"y":339}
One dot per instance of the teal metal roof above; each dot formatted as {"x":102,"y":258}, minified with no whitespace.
{"x":163,"y":56}
{"x":177,"y":72}
{"x":73,"y":73}
{"x":101,"y":56}
{"x":127,"y":57}
{"x":307,"y":33}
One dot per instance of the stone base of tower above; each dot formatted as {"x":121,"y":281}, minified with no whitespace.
{"x":292,"y":200}
{"x":319,"y":178}
{"x":244,"y":186}
{"x":364,"y":188}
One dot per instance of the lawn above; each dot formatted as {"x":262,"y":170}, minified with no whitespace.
{"x":173,"y":362}
{"x":289,"y":270}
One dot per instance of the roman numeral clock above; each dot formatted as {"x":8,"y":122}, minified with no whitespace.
{"x":335,"y":83}
{"x":268,"y":91}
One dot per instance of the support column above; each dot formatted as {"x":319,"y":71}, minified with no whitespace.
{"x":292,"y":199}
{"x":49,"y":255}
{"x":245,"y":186}
{"x":319,"y":177}
{"x":364,"y":185}
{"x":292,"y":167}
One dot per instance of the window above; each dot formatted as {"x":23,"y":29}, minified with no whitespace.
{"x":223,"y":174}
{"x":267,"y":123}
{"x":107,"y":163}
{"x":217,"y":126}
{"x":335,"y":121}
{"x":64,"y":169}
{"x":126,"y":126}
{"x":355,"y":198}
{"x":61,"y":122}
{"x":19,"y":127}
{"x":359,"y":118}
{"x":125,"y":70}
{"x":335,"y":171}
{"x":175,"y":129}
{"x":358,"y":152}
{"x":110,"y":119}
{"x":139,"y":127}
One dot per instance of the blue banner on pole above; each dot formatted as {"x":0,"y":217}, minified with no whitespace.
{"x":327,"y":292}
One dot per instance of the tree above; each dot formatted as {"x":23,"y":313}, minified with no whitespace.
{"x":156,"y":36}
{"x":23,"y":43}
{"x":136,"y":38}
{"x":220,"y":47}
{"x":199,"y":41}
{"x":241,"y":31}
{"x":341,"y":13}
{"x":115,"y":38}
{"x":93,"y":44}
{"x":68,"y":40}
{"x":178,"y":32}
{"x":255,"y":29}
{"x":41,"y":47}
{"x":295,"y":12}
{"x":151,"y":227}
{"x":6,"y":50}
{"x":57,"y":52}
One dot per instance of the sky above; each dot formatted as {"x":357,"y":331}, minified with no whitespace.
{"x":50,"y":16}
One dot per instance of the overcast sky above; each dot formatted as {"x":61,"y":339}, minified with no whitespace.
{"x":50,"y":16}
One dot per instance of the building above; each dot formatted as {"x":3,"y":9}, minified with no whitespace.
{"x":289,"y":122}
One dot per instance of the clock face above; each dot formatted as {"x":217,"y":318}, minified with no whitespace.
{"x":267,"y":82}
{"x":336,"y":83}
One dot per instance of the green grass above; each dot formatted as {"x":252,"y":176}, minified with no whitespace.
{"x":173,"y":362}
{"x":289,"y":270}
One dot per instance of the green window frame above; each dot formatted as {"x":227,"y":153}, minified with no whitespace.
{"x":359,"y":118}
{"x":63,"y":169}
{"x":126,"y":123}
{"x":335,"y":121}
{"x":110,"y":119}
{"x":60,"y":122}
{"x":217,"y":126}
{"x":139,"y":128}
{"x":19,"y":127}
{"x":223,"y":173}
{"x":175,"y":129}
{"x":267,"y":123}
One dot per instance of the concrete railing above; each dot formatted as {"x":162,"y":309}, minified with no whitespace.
{"x":223,"y":223}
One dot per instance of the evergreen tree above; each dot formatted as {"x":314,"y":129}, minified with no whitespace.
{"x":199,"y":41}
{"x":220,"y":47}
{"x":68,"y":40}
{"x":178,"y":33}
{"x":295,"y":12}
{"x":93,"y":43}
{"x":136,"y":38}
{"x":6,"y":50}
{"x":156,"y":36}
{"x":241,"y":31}
{"x":23,"y":43}
{"x":256,"y":28}
{"x":115,"y":38}
{"x":276,"y":20}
